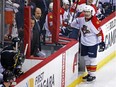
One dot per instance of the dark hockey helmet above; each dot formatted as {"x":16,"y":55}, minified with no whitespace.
{"x":8,"y":76}
{"x":15,"y":40}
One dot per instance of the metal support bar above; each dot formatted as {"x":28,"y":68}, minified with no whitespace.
{"x":2,"y":24}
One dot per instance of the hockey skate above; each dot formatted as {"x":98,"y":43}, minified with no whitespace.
{"x":85,"y":77}
{"x":89,"y":78}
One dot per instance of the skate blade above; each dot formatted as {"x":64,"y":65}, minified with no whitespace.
{"x":90,"y":82}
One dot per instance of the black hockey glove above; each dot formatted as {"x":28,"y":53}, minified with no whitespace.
{"x":101,"y":47}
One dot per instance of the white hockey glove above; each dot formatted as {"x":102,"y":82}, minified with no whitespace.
{"x":16,"y":5}
{"x":13,"y":4}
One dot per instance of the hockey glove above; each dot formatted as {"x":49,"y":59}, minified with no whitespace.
{"x":101,"y":47}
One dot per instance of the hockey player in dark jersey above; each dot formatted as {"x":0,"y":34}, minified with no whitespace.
{"x":8,"y":78}
{"x":11,"y":58}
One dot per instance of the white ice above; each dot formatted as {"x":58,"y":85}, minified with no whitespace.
{"x":106,"y":76}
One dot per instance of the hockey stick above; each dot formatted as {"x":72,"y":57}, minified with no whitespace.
{"x":75,"y":10}
{"x":96,"y":4}
{"x":25,"y":51}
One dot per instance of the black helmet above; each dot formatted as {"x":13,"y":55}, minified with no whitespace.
{"x":8,"y":76}
{"x":14,"y":40}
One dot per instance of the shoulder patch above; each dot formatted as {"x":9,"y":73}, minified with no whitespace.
{"x":60,"y":11}
{"x":95,"y":22}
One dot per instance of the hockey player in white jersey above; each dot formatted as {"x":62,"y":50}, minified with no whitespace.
{"x":91,"y":37}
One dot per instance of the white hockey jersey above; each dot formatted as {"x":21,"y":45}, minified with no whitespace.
{"x":89,"y":30}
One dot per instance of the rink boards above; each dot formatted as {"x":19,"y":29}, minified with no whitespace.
{"x":109,"y":30}
{"x":58,"y":70}
{"x":61,"y":68}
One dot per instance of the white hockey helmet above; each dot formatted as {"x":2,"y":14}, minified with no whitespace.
{"x":89,"y":8}
{"x":80,"y":8}
{"x":51,"y":5}
{"x":65,"y":2}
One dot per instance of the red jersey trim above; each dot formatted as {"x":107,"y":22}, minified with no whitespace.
{"x":96,"y":22}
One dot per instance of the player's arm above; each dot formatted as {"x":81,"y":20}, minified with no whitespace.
{"x":75,"y":23}
{"x":99,"y":33}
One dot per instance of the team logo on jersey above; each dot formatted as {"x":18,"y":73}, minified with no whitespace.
{"x":85,"y":30}
{"x":51,"y":16}
{"x":97,"y":22}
